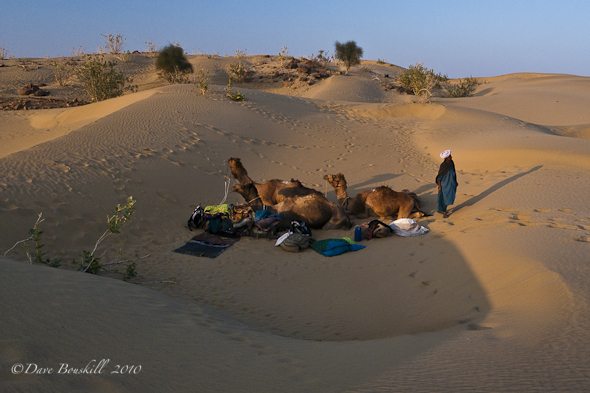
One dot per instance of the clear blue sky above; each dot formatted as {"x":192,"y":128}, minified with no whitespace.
{"x":456,"y":37}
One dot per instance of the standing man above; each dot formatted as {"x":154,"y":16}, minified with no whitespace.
{"x":446,"y":180}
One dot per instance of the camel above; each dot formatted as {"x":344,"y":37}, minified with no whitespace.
{"x":381,"y":201}
{"x":269,"y":191}
{"x":314,"y":209}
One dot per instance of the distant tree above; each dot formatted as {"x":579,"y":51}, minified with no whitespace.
{"x":173,"y":64}
{"x":349,"y":53}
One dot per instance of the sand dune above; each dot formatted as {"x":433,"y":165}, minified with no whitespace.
{"x":494,"y":298}
{"x":345,"y":88}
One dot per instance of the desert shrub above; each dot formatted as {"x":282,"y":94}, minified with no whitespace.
{"x":150,"y":47}
{"x":36,"y":253}
{"x":78,"y":52}
{"x":173,"y":65}
{"x":420,"y":81}
{"x":62,"y":70}
{"x":100,"y":79}
{"x":349,"y":53}
{"x":465,"y":87}
{"x":89,"y":262}
{"x":202,"y":81}
{"x":284,"y":54}
{"x":381,"y":61}
{"x":113,"y":43}
{"x":3,"y":53}
{"x":231,"y":94}
{"x":237,"y":70}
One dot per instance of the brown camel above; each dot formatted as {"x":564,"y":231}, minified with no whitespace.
{"x":381,"y":201}
{"x":269,"y":191}
{"x":313,"y":208}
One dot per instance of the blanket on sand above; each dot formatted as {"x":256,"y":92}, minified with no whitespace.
{"x":206,"y":245}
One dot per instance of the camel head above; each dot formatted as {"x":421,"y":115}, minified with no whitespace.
{"x":237,"y":170}
{"x":336,"y":181}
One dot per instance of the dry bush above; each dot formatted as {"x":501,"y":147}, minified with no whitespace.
{"x":151,"y":47}
{"x":420,"y":81}
{"x":62,"y":70}
{"x":237,"y":71}
{"x":465,"y":87}
{"x":202,"y":81}
{"x":114,"y":43}
{"x":3,"y":53}
{"x":100,"y":79}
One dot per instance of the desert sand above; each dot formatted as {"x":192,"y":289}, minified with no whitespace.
{"x":493,"y":299}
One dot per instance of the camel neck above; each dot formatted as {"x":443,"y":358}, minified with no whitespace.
{"x":341,"y":193}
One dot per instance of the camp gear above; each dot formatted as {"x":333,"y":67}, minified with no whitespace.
{"x":300,"y":227}
{"x":296,"y":242}
{"x":375,"y":229}
{"x":196,"y":219}
{"x":333,"y":247}
{"x":407,"y":227}
{"x":358,"y":233}
{"x":206,"y":245}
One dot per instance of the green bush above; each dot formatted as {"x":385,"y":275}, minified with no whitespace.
{"x":349,"y":53}
{"x":420,"y":81}
{"x":100,"y":79}
{"x":173,"y":64}
{"x":465,"y":87}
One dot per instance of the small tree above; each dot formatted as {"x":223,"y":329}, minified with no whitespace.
{"x":173,"y":64}
{"x":420,"y":81}
{"x":349,"y":53}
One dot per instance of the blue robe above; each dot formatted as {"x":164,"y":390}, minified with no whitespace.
{"x":448,"y":186}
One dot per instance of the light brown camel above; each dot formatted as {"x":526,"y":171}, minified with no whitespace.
{"x":314,"y":209}
{"x":381,"y":201}
{"x":269,"y":191}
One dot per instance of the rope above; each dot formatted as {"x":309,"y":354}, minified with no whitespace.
{"x":252,"y":200}
{"x":227,"y":181}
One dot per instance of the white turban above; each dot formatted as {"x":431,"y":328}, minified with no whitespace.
{"x":445,"y":153}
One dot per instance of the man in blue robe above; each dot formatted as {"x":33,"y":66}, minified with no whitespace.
{"x":446,"y":180}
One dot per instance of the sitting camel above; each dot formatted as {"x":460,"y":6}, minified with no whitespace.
{"x":381,"y":201}
{"x":314,"y":209}
{"x":269,"y":191}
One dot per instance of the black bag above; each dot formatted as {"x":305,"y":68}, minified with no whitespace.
{"x":197,"y":218}
{"x":300,"y":227}
{"x":219,"y":224}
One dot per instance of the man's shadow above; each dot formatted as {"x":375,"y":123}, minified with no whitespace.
{"x":473,"y":200}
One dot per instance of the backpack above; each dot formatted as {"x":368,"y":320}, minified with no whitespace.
{"x":375,"y":229}
{"x":197,"y":218}
{"x":212,"y":219}
{"x":219,"y":224}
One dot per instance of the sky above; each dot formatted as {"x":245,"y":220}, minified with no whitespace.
{"x":455,"y":37}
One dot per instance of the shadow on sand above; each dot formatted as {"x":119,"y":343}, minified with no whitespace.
{"x":473,"y":200}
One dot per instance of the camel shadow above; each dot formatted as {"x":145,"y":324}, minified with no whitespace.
{"x":473,"y":200}
{"x":375,"y":179}
{"x":356,"y":188}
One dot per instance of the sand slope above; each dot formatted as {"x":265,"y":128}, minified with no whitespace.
{"x":492,"y":299}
